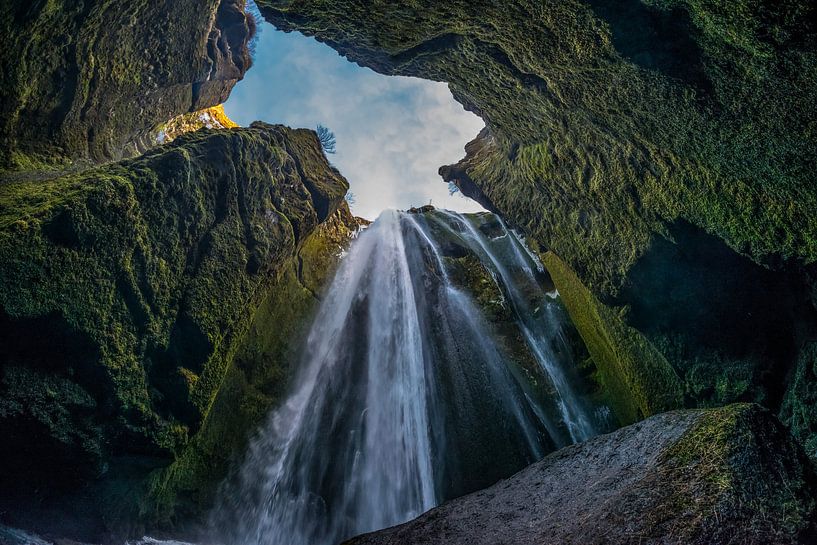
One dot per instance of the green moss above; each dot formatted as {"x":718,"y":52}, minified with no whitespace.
{"x":710,"y":443}
{"x":264,"y":362}
{"x":91,"y":80}
{"x":608,"y":124}
{"x":713,"y":381}
{"x":61,"y":407}
{"x":601,"y":132}
{"x":137,"y":282}
{"x":321,"y":251}
{"x":637,"y":379}
{"x":723,"y":465}
{"x":471,"y":276}
{"x":799,"y":409}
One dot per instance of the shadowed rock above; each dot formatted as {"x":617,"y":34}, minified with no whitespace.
{"x":126,"y":291}
{"x":90,"y":80}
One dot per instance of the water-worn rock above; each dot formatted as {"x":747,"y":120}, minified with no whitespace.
{"x":90,"y":80}
{"x":661,"y":151}
{"x":126,"y":292}
{"x":715,"y":477}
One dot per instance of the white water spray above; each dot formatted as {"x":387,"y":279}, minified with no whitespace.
{"x":403,"y":399}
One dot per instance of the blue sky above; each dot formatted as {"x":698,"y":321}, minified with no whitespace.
{"x":393,"y":133}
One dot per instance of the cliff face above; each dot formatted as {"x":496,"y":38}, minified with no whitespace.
{"x":266,"y":358}
{"x":659,"y":156}
{"x":720,"y":476}
{"x":128,"y":292}
{"x":660,"y":151}
{"x":642,"y":113}
{"x":89,"y":80}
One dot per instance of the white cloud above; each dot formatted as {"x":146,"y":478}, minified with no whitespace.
{"x":393,"y":133}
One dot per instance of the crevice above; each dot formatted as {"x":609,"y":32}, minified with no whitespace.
{"x":299,"y":271}
{"x":714,"y":311}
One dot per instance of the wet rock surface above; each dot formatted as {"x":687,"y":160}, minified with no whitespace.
{"x":722,"y":476}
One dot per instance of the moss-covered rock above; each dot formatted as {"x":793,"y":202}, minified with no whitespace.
{"x":90,"y":80}
{"x":611,"y":120}
{"x":325,"y":246}
{"x":662,"y":149}
{"x":801,"y":399}
{"x":264,"y":362}
{"x":636,"y":378}
{"x":127,"y":291}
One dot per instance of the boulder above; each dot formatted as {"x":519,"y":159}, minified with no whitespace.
{"x":728,"y":476}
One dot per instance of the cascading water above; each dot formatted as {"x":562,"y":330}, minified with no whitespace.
{"x":538,"y":325}
{"x":404,"y":397}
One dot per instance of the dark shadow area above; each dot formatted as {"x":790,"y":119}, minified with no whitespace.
{"x":655,"y":39}
{"x":707,"y":307}
{"x":56,"y":402}
{"x":188,"y":350}
{"x":53,"y":393}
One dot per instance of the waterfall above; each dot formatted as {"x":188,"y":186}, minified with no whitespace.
{"x":538,"y":325}
{"x":404,"y":398}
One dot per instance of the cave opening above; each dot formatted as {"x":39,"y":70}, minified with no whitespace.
{"x":392,"y":132}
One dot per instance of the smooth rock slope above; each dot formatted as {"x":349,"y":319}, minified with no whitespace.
{"x":709,"y":477}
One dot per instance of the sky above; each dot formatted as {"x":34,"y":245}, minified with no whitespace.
{"x":392,"y":132}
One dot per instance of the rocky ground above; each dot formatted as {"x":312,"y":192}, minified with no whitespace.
{"x":704,"y":477}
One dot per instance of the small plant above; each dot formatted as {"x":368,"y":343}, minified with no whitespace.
{"x":254,"y":20}
{"x":327,"y":139}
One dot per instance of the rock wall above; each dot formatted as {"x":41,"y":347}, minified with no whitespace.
{"x":267,"y":357}
{"x":660,"y":151}
{"x":127,"y":295}
{"x":89,"y":80}
{"x":659,"y":155}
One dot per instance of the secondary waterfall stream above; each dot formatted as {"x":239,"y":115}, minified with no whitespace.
{"x":406,"y":395}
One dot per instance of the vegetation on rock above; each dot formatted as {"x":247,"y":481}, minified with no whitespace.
{"x":723,"y":476}
{"x":658,"y":154}
{"x":327,"y":139}
{"x":624,"y":137}
{"x":91,"y":80}
{"x":636,"y":378}
{"x":264,"y":362}
{"x":126,"y":292}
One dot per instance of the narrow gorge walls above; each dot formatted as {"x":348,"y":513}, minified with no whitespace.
{"x":623,"y":135}
{"x":90,"y":80}
{"x":658,"y":156}
{"x":125,"y":294}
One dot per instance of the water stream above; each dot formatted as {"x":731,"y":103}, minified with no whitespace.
{"x":405,"y":398}
{"x":411,"y":390}
{"x":539,"y":325}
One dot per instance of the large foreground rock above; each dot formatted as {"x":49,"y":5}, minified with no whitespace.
{"x":723,"y":476}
